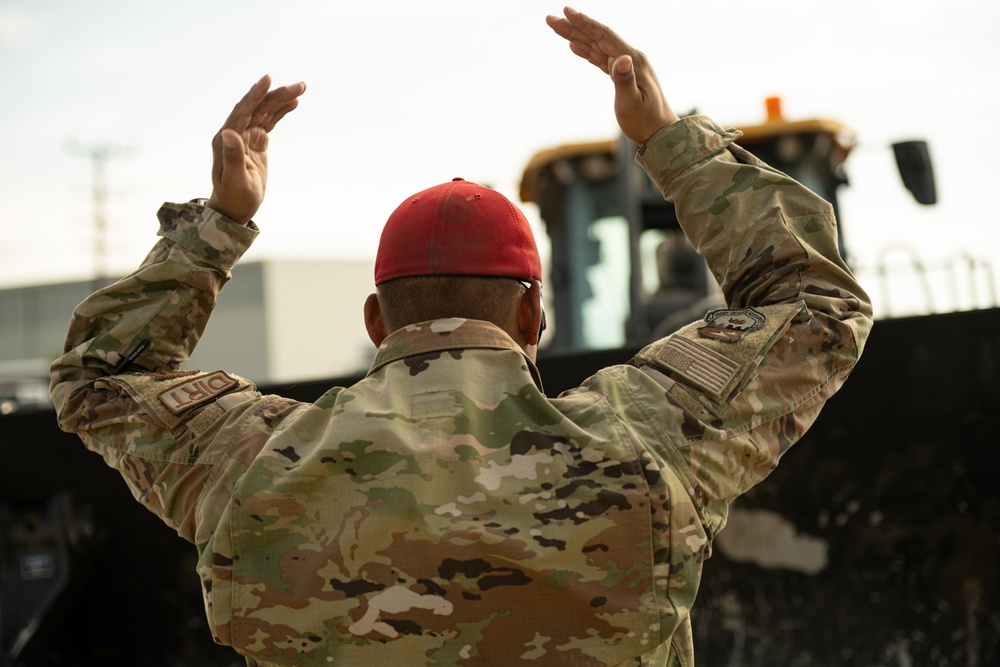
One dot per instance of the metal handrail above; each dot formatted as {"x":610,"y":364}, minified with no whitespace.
{"x":978,"y":272}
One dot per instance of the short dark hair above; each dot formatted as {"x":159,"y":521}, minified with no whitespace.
{"x":406,"y":301}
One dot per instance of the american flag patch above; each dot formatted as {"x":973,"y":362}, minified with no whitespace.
{"x":702,"y":366}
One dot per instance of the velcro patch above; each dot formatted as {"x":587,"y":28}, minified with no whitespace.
{"x":199,"y":389}
{"x":731,"y":325}
{"x":703,"y":367}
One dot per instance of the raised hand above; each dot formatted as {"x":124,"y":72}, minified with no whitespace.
{"x":640,"y":106}
{"x":239,"y":149}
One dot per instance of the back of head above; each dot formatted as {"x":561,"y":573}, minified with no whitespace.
{"x":407,"y":301}
{"x":451,"y":251}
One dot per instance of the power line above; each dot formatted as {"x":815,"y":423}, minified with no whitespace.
{"x":99,"y":156}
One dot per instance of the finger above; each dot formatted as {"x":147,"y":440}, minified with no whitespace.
{"x":231,"y":152}
{"x":278,"y":115}
{"x":579,"y":43}
{"x":628,"y":90}
{"x":268,"y":117}
{"x":239,"y":117}
{"x":603,"y":38}
{"x":262,"y":108}
{"x":595,"y":56}
{"x":596,"y":32}
{"x":589,"y":39}
{"x":560,"y":26}
{"x":628,"y":94}
{"x":256,"y":141}
{"x":275,"y":105}
{"x":622,"y":72}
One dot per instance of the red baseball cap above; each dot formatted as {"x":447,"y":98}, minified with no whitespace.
{"x":457,"y":228}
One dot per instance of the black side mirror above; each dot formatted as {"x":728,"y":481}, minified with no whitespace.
{"x":913,"y":159}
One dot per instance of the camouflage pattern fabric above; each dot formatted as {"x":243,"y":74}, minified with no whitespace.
{"x":444,"y":511}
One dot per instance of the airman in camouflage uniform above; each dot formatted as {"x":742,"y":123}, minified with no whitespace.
{"x":444,"y":511}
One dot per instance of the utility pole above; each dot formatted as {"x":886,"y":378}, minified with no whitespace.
{"x":99,"y":155}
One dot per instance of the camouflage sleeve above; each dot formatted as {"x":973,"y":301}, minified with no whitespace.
{"x":751,"y":378}
{"x":117,"y":386}
{"x":160,"y":310}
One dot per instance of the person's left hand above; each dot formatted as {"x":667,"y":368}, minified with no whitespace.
{"x":640,"y":106}
{"x":239,"y":149}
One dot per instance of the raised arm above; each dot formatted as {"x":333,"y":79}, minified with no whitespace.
{"x":745,"y":382}
{"x":117,"y":385}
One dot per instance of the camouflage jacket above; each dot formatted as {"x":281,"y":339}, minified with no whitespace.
{"x":444,"y":511}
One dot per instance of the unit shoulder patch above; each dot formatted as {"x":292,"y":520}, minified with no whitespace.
{"x":731,"y":325}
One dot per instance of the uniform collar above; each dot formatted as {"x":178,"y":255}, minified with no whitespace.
{"x":447,"y":334}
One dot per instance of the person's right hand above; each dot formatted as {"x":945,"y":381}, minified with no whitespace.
{"x":239,"y":149}
{"x":640,"y":106}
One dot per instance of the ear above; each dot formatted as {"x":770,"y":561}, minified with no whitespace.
{"x":374,"y":321}
{"x":530,"y":314}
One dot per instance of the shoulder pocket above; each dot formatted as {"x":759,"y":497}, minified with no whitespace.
{"x":714,"y":358}
{"x":179,"y":398}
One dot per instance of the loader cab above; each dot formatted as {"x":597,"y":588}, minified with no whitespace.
{"x":621,"y":270}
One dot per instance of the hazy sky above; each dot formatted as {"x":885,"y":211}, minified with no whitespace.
{"x":405,"y":94}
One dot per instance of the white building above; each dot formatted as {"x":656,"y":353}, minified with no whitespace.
{"x":276,"y":321}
